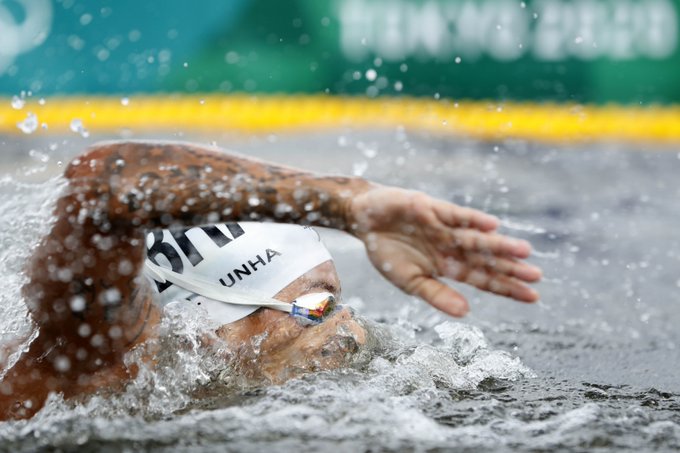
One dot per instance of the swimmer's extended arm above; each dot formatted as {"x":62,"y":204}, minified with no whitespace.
{"x":412,"y":238}
{"x":85,"y":289}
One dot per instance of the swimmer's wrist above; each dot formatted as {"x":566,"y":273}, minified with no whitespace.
{"x":350,"y":213}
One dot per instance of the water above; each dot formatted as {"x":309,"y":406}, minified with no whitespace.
{"x":594,"y":365}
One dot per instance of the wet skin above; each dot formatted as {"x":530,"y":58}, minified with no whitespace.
{"x":86,"y":293}
{"x":271,"y":346}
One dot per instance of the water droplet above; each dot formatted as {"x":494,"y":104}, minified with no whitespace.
{"x":359,"y":168}
{"x":134,"y":35}
{"x":62,"y":363}
{"x":458,"y":60}
{"x":18,"y":103}
{"x":37,"y":155}
{"x":110,"y":297}
{"x":398,"y":86}
{"x":231,"y":57}
{"x":125,"y":102}
{"x":29,"y":125}
{"x":85,"y":19}
{"x":77,"y":303}
{"x":115,"y":332}
{"x":78,"y":127}
{"x":370,"y":152}
{"x":84,"y":330}
{"x":371,"y":75}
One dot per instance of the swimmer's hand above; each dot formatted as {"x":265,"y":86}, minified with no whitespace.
{"x":414,"y":240}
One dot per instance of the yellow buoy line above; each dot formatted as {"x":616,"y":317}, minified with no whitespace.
{"x":268,"y":113}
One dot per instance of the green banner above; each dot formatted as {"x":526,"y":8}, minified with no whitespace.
{"x":600,"y":51}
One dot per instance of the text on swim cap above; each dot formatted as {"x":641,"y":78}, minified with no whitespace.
{"x":159,"y":247}
{"x":245,"y":269}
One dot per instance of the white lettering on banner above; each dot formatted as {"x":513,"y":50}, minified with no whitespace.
{"x":17,"y":38}
{"x":506,"y":30}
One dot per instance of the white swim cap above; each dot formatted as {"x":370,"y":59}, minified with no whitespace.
{"x":259,"y":259}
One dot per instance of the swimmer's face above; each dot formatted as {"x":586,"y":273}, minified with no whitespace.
{"x":277,"y":347}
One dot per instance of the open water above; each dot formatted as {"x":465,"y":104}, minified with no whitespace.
{"x":593,"y":366}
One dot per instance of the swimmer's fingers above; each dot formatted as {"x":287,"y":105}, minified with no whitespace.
{"x":495,"y":264}
{"x":496,"y":244}
{"x":503,"y":286}
{"x":492,"y":281}
{"x":459,"y":216}
{"x":439,"y":295}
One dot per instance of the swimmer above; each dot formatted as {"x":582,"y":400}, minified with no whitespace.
{"x":96,"y":281}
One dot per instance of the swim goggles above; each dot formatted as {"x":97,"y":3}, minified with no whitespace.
{"x":313,"y":307}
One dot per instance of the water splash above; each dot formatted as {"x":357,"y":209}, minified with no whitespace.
{"x":21,"y":230}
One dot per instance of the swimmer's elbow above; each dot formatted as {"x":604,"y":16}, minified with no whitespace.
{"x":91,"y":163}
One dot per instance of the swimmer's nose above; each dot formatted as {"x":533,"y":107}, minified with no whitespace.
{"x":342,"y":313}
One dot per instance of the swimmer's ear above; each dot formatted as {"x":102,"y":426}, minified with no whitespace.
{"x":440,"y":296}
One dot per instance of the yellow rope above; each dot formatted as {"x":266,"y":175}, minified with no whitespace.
{"x":478,"y":119}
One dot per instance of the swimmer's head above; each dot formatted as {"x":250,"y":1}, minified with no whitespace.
{"x":272,"y":347}
{"x":248,"y":261}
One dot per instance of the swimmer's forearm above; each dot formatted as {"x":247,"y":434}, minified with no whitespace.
{"x":161,"y":184}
